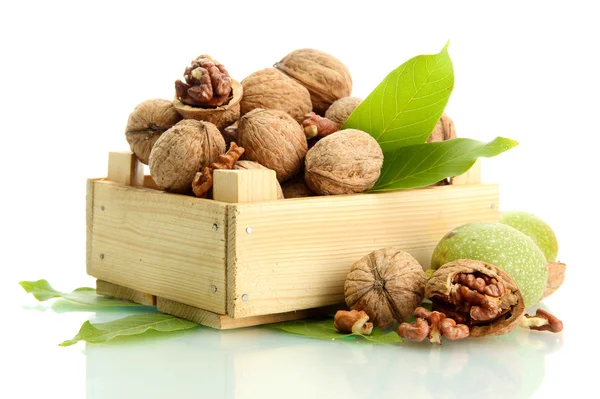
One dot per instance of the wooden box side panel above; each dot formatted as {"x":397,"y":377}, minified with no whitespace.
{"x":295,"y":254}
{"x":162,"y":244}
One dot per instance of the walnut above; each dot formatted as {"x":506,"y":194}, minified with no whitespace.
{"x":247,"y":165}
{"x":271,"y":89}
{"x":477,"y":294}
{"x":296,"y":188}
{"x":443,"y":130}
{"x":352,"y":322}
{"x":273,"y":139}
{"x":146,"y":123}
{"x":345,"y":162}
{"x":556,"y":276}
{"x":388,"y":284}
{"x":182,"y":151}
{"x":542,"y":321}
{"x":341,"y":109}
{"x":326,"y":78}
{"x":434,"y":325}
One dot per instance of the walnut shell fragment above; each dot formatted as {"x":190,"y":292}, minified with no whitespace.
{"x":345,"y":162}
{"x":341,"y":109}
{"x":444,"y":130}
{"x":388,"y":284}
{"x":182,"y":151}
{"x":273,"y":139}
{"x":272,"y":89}
{"x":556,"y":276}
{"x":221,"y":116}
{"x":478,"y":294}
{"x":249,"y":165}
{"x":146,"y":123}
{"x":326,"y":78}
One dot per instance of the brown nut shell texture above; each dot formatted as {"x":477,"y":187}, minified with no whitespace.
{"x":221,"y":116}
{"x":478,"y":294}
{"x":444,"y":130}
{"x":271,"y":89}
{"x":273,"y":139}
{"x":388,"y":284}
{"x":345,"y":162}
{"x":326,"y":78}
{"x":146,"y":123}
{"x":182,"y":151}
{"x":341,"y":109}
{"x":249,"y":165}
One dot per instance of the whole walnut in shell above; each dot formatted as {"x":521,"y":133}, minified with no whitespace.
{"x":296,"y":188}
{"x":248,"y":165}
{"x":271,"y":89}
{"x":146,"y":123}
{"x":443,"y":130}
{"x":182,"y":151}
{"x":345,"y":162}
{"x":326,"y":78}
{"x":341,"y":109}
{"x":273,"y":139}
{"x":388,"y":284}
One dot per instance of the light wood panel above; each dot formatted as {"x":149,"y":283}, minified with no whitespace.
{"x":237,"y":186}
{"x":125,"y":168}
{"x":471,"y":176}
{"x":159,"y":243}
{"x":224,"y":322}
{"x":295,"y":253}
{"x":128,"y":294}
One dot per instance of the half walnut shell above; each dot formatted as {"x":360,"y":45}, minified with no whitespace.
{"x":221,"y":116}
{"x":478,"y":294}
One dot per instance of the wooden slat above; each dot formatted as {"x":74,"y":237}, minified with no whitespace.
{"x":89,"y":222}
{"x":124,"y":168}
{"x":296,"y":253}
{"x":236,"y":186}
{"x":159,"y":243}
{"x":471,"y":176}
{"x":224,"y":322}
{"x":128,"y":294}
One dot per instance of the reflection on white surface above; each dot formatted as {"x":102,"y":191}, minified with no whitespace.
{"x":255,"y":362}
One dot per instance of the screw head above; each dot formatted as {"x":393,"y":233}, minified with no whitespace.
{"x":215,"y":227}
{"x":493,"y":206}
{"x":102,"y":208}
{"x":101,"y":256}
{"x":249,"y":230}
{"x":245,"y":297}
{"x":213,"y":288}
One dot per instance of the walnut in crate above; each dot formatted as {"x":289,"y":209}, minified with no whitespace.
{"x":388,"y":284}
{"x":208,"y":93}
{"x":443,"y":130}
{"x":146,"y":123}
{"x":341,"y":109}
{"x":326,"y":78}
{"x":271,"y":89}
{"x":477,"y":294}
{"x":345,"y":162}
{"x":273,"y":139}
{"x":296,"y":188}
{"x":182,"y":151}
{"x":249,"y":165}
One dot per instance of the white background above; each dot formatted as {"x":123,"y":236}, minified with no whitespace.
{"x":71,"y":72}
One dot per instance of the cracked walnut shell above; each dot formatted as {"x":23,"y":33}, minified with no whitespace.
{"x":182,"y":151}
{"x":477,"y":294}
{"x":273,"y":139}
{"x":271,"y":89}
{"x":388,"y":284}
{"x":345,"y":162}
{"x":326,"y":78}
{"x":146,"y":123}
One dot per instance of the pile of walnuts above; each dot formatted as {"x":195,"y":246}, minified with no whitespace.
{"x":287,"y":118}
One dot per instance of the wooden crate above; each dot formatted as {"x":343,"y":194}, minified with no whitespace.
{"x":247,"y":258}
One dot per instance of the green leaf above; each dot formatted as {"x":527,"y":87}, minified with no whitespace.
{"x":421,"y":165}
{"x":43,"y":291}
{"x":324,"y":329}
{"x":407,"y":104}
{"x":131,"y":325}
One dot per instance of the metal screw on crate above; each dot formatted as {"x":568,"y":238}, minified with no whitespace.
{"x":215,"y":227}
{"x":101,"y":256}
{"x":213,"y":288}
{"x":102,"y":208}
{"x":249,"y":230}
{"x":245,"y":297}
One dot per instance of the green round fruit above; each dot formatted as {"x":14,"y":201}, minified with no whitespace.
{"x":539,"y":231}
{"x":502,"y":246}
